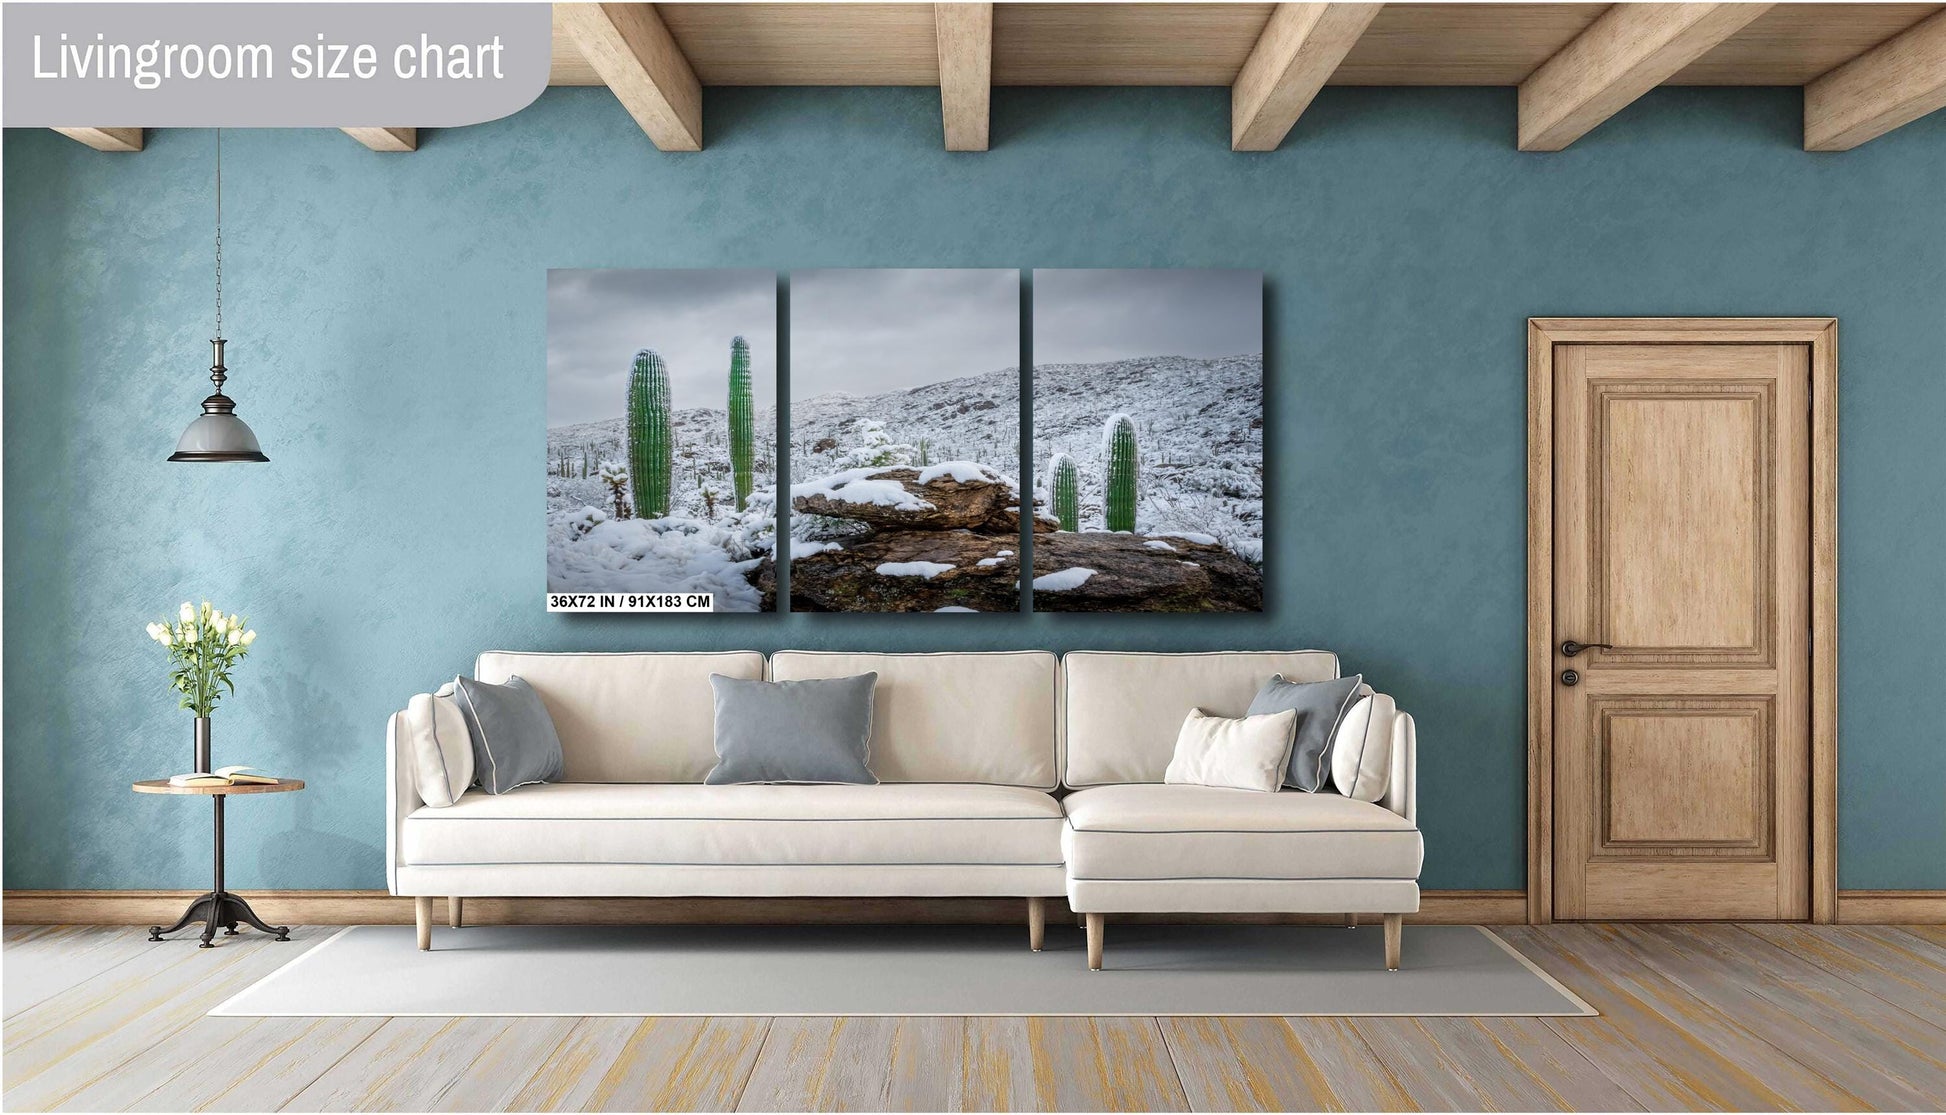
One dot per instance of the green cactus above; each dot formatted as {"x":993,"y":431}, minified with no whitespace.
{"x":742,"y":422}
{"x":651,"y":435}
{"x":925,"y":452}
{"x":1067,"y":491}
{"x":1121,"y":468}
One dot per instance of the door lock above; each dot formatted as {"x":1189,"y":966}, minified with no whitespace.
{"x":1571,"y":648}
{"x":1570,"y":677}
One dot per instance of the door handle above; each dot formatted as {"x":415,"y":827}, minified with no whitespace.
{"x":1572,"y":648}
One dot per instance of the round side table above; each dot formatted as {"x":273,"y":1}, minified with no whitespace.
{"x":219,"y":906}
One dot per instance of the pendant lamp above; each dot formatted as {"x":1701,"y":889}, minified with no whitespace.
{"x":218,"y":434}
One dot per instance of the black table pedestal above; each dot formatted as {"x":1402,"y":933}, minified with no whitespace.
{"x":219,"y":906}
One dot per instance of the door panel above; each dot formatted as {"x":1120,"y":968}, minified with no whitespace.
{"x":1681,"y":537}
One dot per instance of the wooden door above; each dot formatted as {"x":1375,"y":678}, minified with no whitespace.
{"x":1681,"y":519}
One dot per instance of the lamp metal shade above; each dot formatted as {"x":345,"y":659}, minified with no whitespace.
{"x":218,"y":436}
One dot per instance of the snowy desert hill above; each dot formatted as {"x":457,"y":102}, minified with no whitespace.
{"x":1199,"y":432}
{"x":975,"y":418}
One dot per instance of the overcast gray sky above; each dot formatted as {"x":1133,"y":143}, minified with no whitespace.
{"x":868,"y":331}
{"x":596,"y":320}
{"x":1092,"y":316}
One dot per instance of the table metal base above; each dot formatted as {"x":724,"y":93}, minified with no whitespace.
{"x":220,"y":908}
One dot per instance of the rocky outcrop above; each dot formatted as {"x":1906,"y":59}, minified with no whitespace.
{"x":1140,"y":573}
{"x":930,"y":570}
{"x":950,"y":543}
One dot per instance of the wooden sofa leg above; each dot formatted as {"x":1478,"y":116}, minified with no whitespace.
{"x":1036,"y":922}
{"x":422,"y":908}
{"x":1351,"y":921}
{"x":1394,"y":930}
{"x":455,"y":908}
{"x":1094,"y":922}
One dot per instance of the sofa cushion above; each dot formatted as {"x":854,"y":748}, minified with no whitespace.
{"x":637,"y":717}
{"x":1122,"y":709}
{"x":1361,"y":751}
{"x":1320,"y":707}
{"x":441,"y":747}
{"x":984,"y":717}
{"x":1241,"y":753}
{"x":1199,"y":832}
{"x":514,"y":742}
{"x":813,"y":732}
{"x":740,"y":825}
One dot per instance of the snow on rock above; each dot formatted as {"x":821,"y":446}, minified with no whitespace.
{"x":1158,"y":544}
{"x":965,"y":472}
{"x":1003,"y":553}
{"x":956,"y":608}
{"x":803,"y":549}
{"x":858,"y":485}
{"x":992,"y":561}
{"x":1063,"y":581}
{"x":926,"y":569}
{"x":1197,"y":537}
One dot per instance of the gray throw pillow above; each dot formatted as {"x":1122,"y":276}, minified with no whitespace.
{"x":1319,"y":706}
{"x":817,"y":731}
{"x":514,"y":742}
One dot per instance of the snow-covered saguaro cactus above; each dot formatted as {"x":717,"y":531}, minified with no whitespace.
{"x":1120,"y":471}
{"x":1064,"y":480}
{"x":743,"y":418}
{"x":651,"y":435}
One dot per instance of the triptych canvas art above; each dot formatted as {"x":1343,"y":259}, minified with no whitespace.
{"x":901,"y":440}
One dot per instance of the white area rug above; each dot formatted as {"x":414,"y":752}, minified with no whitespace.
{"x":904,"y":970}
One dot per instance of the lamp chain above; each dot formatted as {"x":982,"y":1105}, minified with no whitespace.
{"x":217,"y":372}
{"x":219,"y":232}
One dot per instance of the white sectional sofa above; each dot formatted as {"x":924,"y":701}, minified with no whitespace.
{"x":1002,"y":774}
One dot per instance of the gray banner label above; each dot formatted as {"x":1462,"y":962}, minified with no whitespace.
{"x":270,"y":65}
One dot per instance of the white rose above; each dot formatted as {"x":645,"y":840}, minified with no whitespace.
{"x":206,"y":609}
{"x":165,"y":638}
{"x":249,"y":637}
{"x":217,"y":622}
{"x":236,"y":637}
{"x":188,"y":613}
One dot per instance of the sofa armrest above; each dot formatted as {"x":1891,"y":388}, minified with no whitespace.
{"x":401,"y":797}
{"x":1402,"y":794}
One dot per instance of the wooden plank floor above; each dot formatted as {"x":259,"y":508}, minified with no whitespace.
{"x":1763,"y":1017}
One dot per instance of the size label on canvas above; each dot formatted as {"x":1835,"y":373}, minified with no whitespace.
{"x":631,"y":601}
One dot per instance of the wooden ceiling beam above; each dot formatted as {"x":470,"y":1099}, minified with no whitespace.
{"x":385,"y":139}
{"x":1297,"y":53}
{"x":965,"y":34}
{"x":640,"y":62}
{"x":1629,"y":50}
{"x":106,"y":139}
{"x":1886,"y":87}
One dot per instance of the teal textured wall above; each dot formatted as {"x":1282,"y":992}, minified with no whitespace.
{"x":386,"y":319}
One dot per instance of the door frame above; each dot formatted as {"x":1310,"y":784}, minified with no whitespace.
{"x":1821,"y":334}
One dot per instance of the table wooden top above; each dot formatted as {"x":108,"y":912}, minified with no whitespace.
{"x":161,"y":786}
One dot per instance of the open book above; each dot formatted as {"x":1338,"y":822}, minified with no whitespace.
{"x":224,"y":776}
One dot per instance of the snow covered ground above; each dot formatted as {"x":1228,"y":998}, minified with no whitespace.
{"x":1199,"y":432}
{"x":704,"y":545}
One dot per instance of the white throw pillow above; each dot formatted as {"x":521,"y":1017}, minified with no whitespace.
{"x":440,"y":746}
{"x":1361,"y":752}
{"x":1241,"y":753}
